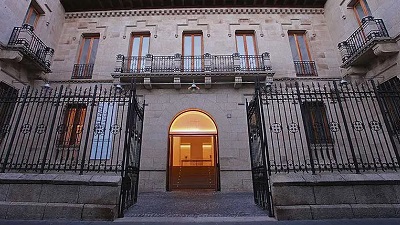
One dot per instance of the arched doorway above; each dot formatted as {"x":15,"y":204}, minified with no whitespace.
{"x":193,"y":152}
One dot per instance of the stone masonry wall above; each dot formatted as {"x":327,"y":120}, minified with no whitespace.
{"x":336,"y":196}
{"x":59,"y":196}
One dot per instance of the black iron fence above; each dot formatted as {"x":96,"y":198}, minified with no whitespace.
{"x":331,"y":127}
{"x":305,"y":68}
{"x":371,"y":30}
{"x":202,"y":63}
{"x":76,"y":130}
{"x":25,"y":40}
{"x":82,"y":71}
{"x":259,"y":159}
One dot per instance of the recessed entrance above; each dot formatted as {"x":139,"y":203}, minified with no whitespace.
{"x":193,"y":152}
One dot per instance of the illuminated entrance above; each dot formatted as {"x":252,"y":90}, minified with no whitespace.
{"x":193,"y":152}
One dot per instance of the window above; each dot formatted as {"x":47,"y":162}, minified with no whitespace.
{"x":246,"y":47}
{"x":192,"y":51}
{"x":86,"y":57}
{"x":32,"y":16}
{"x":390,"y":92}
{"x":138,"y":49}
{"x":74,"y":118}
{"x":8,"y":100}
{"x":316,"y":123}
{"x":301,"y":54}
{"x":361,"y":10}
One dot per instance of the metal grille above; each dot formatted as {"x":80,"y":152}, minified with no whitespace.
{"x":259,"y":167}
{"x":331,"y":127}
{"x":82,"y":71}
{"x":305,"y":68}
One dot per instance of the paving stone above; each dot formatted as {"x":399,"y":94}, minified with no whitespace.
{"x":332,"y":195}
{"x":321,"y":212}
{"x":24,"y":192}
{"x":375,"y":194}
{"x":298,"y":212}
{"x":59,"y":193}
{"x":293,"y":195}
{"x":373,"y":210}
{"x":99,"y":212}
{"x":63,"y":211}
{"x":196,"y":204}
{"x":106,"y":180}
{"x":104,"y":195}
{"x":4,"y":191}
{"x":3,"y":209}
{"x":26,"y":210}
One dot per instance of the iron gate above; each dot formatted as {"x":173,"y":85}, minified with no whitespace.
{"x":80,"y":130}
{"x":259,"y":167}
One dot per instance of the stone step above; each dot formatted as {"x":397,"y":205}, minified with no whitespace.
{"x":199,"y":219}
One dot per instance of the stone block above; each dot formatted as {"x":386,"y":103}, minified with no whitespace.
{"x":99,"y":212}
{"x":59,"y":193}
{"x":287,"y":178}
{"x":98,"y":195}
{"x":374,"y":194}
{"x":293,"y":195}
{"x":396,"y":210}
{"x":5,"y":177}
{"x":373,"y":210}
{"x":321,"y":212}
{"x":106,"y":180}
{"x":4,"y":191}
{"x":72,"y":179}
{"x":299,"y":212}
{"x":3,"y":209}
{"x":63,"y":211}
{"x":25,"y":210}
{"x":24,"y":192}
{"x":332,"y":195}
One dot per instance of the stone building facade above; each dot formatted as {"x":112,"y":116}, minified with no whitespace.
{"x":200,"y":58}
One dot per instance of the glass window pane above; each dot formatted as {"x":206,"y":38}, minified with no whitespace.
{"x":135,"y":46}
{"x":145,"y":47}
{"x":303,"y":48}
{"x":32,"y":18}
{"x":85,"y":49}
{"x":187,"y":47}
{"x":240,"y":45}
{"x":250,"y":45}
{"x":368,"y":12}
{"x":293,"y":47}
{"x":359,"y":10}
{"x":197,"y":45}
{"x":94,"y":50}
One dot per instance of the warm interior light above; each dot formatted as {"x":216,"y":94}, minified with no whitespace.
{"x":193,"y":122}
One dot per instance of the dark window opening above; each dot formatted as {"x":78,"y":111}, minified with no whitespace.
{"x":72,"y":128}
{"x":390,"y":93}
{"x":316,"y":123}
{"x":8,"y":99}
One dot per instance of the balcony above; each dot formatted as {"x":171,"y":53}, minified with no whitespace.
{"x":370,"y":40}
{"x":177,"y":67}
{"x":305,"y":68}
{"x":36,"y":54}
{"x":82,"y":71}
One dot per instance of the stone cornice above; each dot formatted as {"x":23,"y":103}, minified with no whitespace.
{"x":191,"y":11}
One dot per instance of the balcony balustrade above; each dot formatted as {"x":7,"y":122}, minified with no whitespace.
{"x":207,"y":63}
{"x":358,"y":49}
{"x":25,"y":40}
{"x":82,"y":71}
{"x":305,"y":68}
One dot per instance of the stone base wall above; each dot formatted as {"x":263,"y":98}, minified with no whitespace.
{"x":59,"y":196}
{"x":336,"y":196}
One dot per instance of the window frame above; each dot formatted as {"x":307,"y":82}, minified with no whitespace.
{"x":193,"y":64}
{"x":295,"y":34}
{"x":28,"y":15}
{"x":365,"y":8}
{"x":244,"y":34}
{"x":141,"y":36}
{"x":70,"y":137}
{"x":307,"y":109}
{"x":92,"y":37}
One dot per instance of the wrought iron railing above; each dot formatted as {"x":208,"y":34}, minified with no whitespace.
{"x":329,"y":127}
{"x":305,"y":68}
{"x":25,"y":40}
{"x":371,"y":30}
{"x":82,"y":71}
{"x":78,"y":130}
{"x":187,"y":64}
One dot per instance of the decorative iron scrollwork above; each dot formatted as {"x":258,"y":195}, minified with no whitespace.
{"x":293,"y":127}
{"x":276,"y":127}
{"x":115,"y":129}
{"x":358,"y":125}
{"x":375,"y":125}
{"x":334,"y":126}
{"x":99,"y":129}
{"x":26,"y":128}
{"x":41,"y":129}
